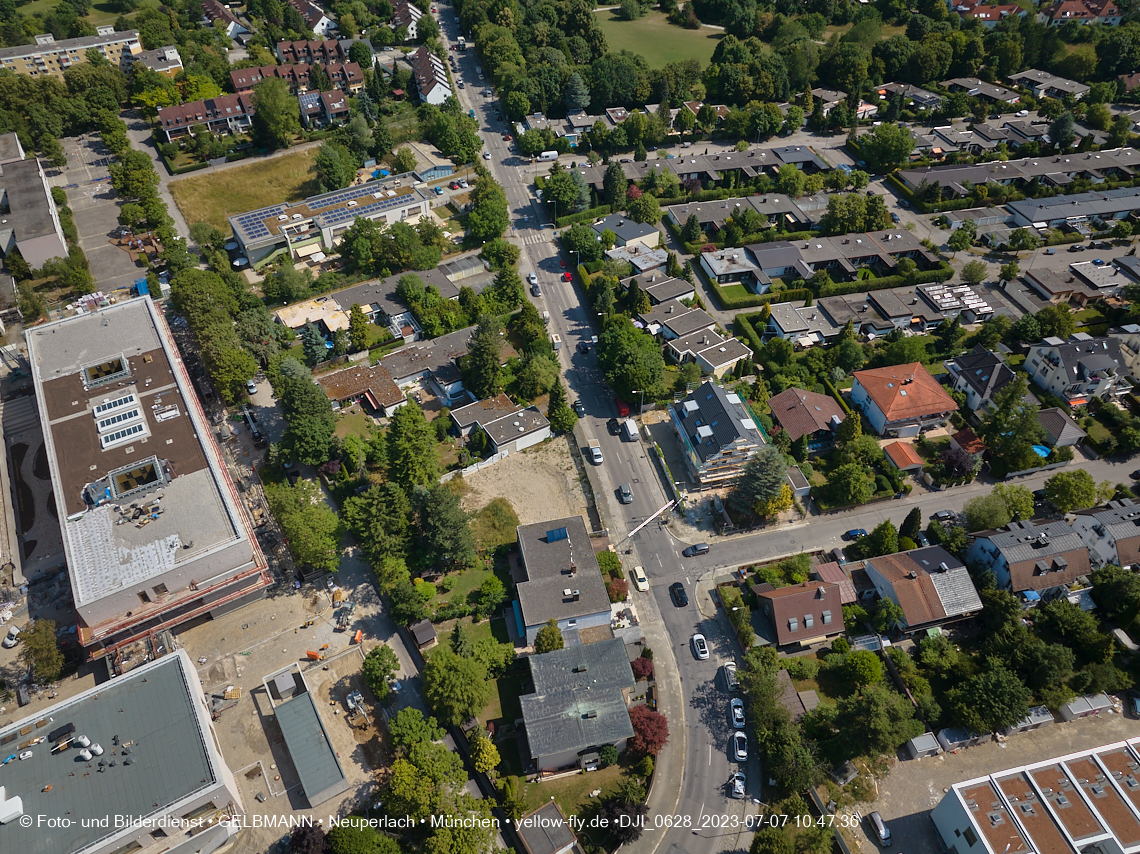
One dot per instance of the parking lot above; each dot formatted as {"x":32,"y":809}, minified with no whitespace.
{"x":95,"y":206}
{"x":915,"y":787}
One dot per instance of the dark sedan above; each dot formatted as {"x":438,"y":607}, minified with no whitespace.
{"x":855,"y":533}
{"x":680,"y":597}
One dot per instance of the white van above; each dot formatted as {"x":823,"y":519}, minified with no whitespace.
{"x":547,"y":156}
{"x":629,"y":430}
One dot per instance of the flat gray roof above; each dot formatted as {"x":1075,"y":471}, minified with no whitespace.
{"x":151,"y":710}
{"x":28,"y":199}
{"x":308,"y":744}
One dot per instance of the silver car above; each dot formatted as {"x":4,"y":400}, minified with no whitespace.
{"x":736,"y":784}
{"x":740,"y":747}
{"x":736,"y":712}
{"x":700,"y":647}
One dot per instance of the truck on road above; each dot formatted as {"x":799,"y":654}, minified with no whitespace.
{"x":462,"y":43}
{"x":547,"y":156}
{"x":595,"y":451}
{"x":629,"y":430}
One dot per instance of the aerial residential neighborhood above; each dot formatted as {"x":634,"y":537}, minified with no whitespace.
{"x":700,"y":427}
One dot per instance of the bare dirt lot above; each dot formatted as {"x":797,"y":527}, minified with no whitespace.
{"x":540,"y":483}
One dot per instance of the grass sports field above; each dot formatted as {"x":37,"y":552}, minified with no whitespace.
{"x":213,"y":197}
{"x":656,"y":39}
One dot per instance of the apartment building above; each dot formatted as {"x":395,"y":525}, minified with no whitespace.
{"x":48,"y":57}
{"x":1079,"y":368}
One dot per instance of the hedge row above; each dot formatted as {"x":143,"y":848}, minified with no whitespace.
{"x":585,"y":216}
{"x":193,"y":167}
{"x":745,"y":324}
{"x":753,"y":300}
{"x":834,"y":392}
{"x":1059,"y":239}
{"x":941,"y":273}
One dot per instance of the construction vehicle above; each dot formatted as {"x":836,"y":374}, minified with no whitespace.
{"x":344,"y":616}
{"x":358,"y":637}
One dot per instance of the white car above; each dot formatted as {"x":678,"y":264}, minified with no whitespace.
{"x":730,"y":676}
{"x":531,"y":279}
{"x":736,"y":784}
{"x":639,"y":579}
{"x":1022,"y":113}
{"x":736,"y":712}
{"x":486,"y":155}
{"x":463,"y":183}
{"x":251,"y":387}
{"x":700,"y":648}
{"x":740,"y":747}
{"x":12,"y":638}
{"x":27,"y":754}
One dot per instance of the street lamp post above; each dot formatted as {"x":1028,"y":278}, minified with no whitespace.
{"x":641,"y":400}
{"x":555,"y":203}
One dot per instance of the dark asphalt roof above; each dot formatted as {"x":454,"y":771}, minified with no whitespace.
{"x":548,"y":551}
{"x":308,"y":744}
{"x":577,"y":701}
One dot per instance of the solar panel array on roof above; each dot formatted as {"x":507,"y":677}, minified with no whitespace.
{"x":253,"y":225}
{"x":344,"y":214}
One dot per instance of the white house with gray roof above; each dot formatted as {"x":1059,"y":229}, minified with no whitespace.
{"x":716,"y":433}
{"x":557,"y":578}
{"x":804,"y":326}
{"x":1079,"y":368}
{"x":1058,"y":211}
{"x":580,"y":703}
{"x":1046,"y":85}
{"x":673,"y":320}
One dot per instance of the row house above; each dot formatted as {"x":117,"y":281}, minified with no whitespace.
{"x":317,"y":19}
{"x":406,"y":15}
{"x":1052,"y":171}
{"x":321,"y":109}
{"x":1111,"y":533}
{"x":1104,"y":12}
{"x":214,"y":11}
{"x":430,"y":77}
{"x":221,"y":115}
{"x":1031,"y":557}
{"x":315,"y":50}
{"x":345,"y":76}
{"x":1046,"y":85}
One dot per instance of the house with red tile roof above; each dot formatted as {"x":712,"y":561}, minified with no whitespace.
{"x":903,"y":456}
{"x":224,"y":114}
{"x":991,"y":16}
{"x":901,"y":400}
{"x":1083,"y":11}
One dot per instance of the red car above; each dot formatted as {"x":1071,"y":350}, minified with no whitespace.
{"x":622,"y":407}
{"x":454,"y":185}
{"x":451,"y":47}
{"x":566,"y":277}
{"x":562,"y":262}
{"x":506,"y":137}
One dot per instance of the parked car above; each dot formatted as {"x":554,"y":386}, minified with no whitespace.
{"x":251,"y":387}
{"x":1134,"y":702}
{"x":531,"y":279}
{"x":1022,"y":113}
{"x":922,"y":539}
{"x":677,"y":591}
{"x":1076,"y":247}
{"x":486,"y":155}
{"x":1098,"y":261}
{"x":566,"y":277}
{"x":583,"y":347}
{"x":943,"y":516}
{"x":700,"y":647}
{"x":736,"y":712}
{"x":895,"y":217}
{"x":454,"y":185}
{"x":439,"y":190}
{"x":535,"y":290}
{"x":740,"y":747}
{"x":697,"y":549}
{"x":730,"y":676}
{"x":625,"y":494}
{"x":12,"y":638}
{"x":855,"y":533}
{"x":639,"y":579}
{"x":463,"y":183}
{"x":579,"y":408}
{"x":879,"y":830}
{"x":736,"y":785}
{"x":614,"y":426}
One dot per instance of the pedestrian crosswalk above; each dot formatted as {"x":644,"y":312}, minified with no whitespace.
{"x":535,"y":239}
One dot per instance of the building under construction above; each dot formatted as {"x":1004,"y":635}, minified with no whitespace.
{"x":153,"y":530}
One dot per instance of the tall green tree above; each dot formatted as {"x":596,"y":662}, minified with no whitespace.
{"x":39,"y":651}
{"x":307,"y":412}
{"x":488,"y":218}
{"x":761,"y":481}
{"x":380,"y":665}
{"x":277,"y":119}
{"x":1011,"y":428}
{"x":413,"y":458}
{"x":380,"y":518}
{"x":445,"y":539}
{"x":886,"y":147}
{"x":456,"y":688}
{"x":357,"y":328}
{"x":631,"y":359}
{"x":483,"y":369}
{"x":335,"y":165}
{"x":1071,"y":490}
{"x":548,"y":638}
{"x":990,"y":701}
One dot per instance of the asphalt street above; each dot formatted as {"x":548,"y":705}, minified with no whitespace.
{"x":691,"y":810}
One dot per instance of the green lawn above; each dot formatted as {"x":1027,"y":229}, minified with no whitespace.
{"x":354,"y":422}
{"x":100,"y":14}
{"x":214,"y":197}
{"x":505,"y":705}
{"x":736,"y":292}
{"x":572,"y":794}
{"x":657,"y":40}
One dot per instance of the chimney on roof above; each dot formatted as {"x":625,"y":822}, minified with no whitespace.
{"x":912,"y":574}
